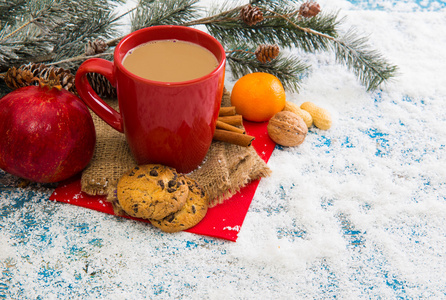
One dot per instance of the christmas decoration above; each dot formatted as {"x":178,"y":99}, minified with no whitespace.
{"x":101,"y":85}
{"x":251,"y":15}
{"x":98,"y":82}
{"x":92,"y":33}
{"x":309,"y":9}
{"x":266,"y":53}
{"x":31,"y":73}
{"x":95,"y":47}
{"x":16,"y":78}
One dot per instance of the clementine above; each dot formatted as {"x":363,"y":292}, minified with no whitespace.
{"x":258,"y":96}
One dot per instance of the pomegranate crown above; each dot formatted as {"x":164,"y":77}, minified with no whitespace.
{"x":53,"y":81}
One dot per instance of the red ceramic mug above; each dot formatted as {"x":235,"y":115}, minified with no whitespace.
{"x":169,"y":123}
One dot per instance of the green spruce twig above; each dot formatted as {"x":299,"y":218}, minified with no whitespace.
{"x":283,"y":25}
{"x":288,"y":69}
{"x":79,"y":58}
{"x":368,"y":65}
{"x":169,"y":12}
{"x":46,"y":31}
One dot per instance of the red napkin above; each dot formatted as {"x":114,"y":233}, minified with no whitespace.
{"x":222,"y":221}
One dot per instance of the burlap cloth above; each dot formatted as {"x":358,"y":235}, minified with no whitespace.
{"x":224,"y":171}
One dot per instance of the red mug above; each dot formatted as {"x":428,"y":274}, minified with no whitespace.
{"x":169,"y":123}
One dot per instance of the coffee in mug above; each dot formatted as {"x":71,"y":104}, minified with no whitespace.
{"x":170,"y":61}
{"x":169,"y":121}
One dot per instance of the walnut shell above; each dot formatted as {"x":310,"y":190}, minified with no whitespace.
{"x":287,"y":129}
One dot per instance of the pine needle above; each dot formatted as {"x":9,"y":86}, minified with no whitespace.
{"x":368,"y":65}
{"x":284,"y":27}
{"x":288,"y":69}
{"x":46,"y":30}
{"x":56,"y":31}
{"x":169,"y":12}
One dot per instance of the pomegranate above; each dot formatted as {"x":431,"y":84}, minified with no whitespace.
{"x":46,"y":134}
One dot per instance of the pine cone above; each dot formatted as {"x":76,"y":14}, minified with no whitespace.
{"x":95,"y":47}
{"x":265,"y":53}
{"x":309,"y":9}
{"x":31,"y":73}
{"x":101,"y":85}
{"x":17,"y":78}
{"x":65,"y":77}
{"x":251,"y":15}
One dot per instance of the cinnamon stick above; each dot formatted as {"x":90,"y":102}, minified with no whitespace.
{"x":227,"y":111}
{"x":226,"y":126}
{"x":233,"y":137}
{"x":236,"y":120}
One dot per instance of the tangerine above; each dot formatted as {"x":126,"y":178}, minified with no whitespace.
{"x":258,"y":96}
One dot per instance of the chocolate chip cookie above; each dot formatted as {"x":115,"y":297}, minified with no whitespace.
{"x":190,"y":214}
{"x":152,"y":191}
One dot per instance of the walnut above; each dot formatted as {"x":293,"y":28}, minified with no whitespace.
{"x":287,"y":129}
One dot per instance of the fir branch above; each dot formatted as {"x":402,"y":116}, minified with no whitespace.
{"x":46,"y":30}
{"x":21,"y":37}
{"x":17,"y":29}
{"x":79,"y":33}
{"x":114,"y":41}
{"x":224,"y":12}
{"x":80,"y":58}
{"x":278,"y":29}
{"x":169,"y":12}
{"x":288,"y":69}
{"x":369,"y":66}
{"x":76,"y":31}
{"x":26,"y":45}
{"x":276,"y":4}
{"x":10,"y":9}
{"x":286,"y":28}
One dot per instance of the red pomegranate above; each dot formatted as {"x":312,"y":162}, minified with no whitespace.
{"x":46,"y":134}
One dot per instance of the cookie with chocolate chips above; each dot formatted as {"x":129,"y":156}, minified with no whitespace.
{"x":190,"y":214}
{"x":152,"y":191}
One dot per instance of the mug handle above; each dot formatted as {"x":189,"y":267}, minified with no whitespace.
{"x":89,"y":96}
